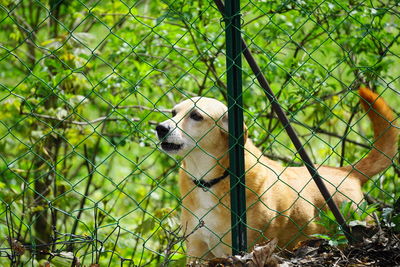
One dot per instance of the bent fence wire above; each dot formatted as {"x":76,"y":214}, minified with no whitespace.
{"x":83,"y":84}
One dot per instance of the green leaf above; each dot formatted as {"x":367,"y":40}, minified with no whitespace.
{"x":396,"y":222}
{"x":146,"y":226}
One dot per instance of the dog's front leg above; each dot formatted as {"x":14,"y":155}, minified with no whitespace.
{"x":197,"y":249}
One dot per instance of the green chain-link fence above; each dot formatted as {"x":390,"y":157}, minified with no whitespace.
{"x":84,"y":83}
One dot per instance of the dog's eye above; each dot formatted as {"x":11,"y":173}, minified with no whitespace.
{"x":196,"y":116}
{"x":173,"y":113}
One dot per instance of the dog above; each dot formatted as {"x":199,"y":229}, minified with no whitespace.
{"x":282,"y":202}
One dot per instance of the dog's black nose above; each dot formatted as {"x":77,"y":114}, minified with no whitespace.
{"x":162,"y":131}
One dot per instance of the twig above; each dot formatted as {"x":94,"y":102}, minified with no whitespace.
{"x":203,"y":58}
{"x":171,"y":64}
{"x":319,"y":130}
{"x":345,"y":135}
{"x":284,"y":9}
{"x":177,"y":239}
{"x":98,"y":120}
{"x":144,"y":108}
{"x":147,"y":202}
{"x":141,"y":16}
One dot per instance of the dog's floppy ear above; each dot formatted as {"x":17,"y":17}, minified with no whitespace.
{"x":223,"y":124}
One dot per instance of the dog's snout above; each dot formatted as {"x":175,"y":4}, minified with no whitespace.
{"x":162,"y":131}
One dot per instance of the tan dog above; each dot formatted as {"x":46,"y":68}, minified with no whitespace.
{"x":281,"y":202}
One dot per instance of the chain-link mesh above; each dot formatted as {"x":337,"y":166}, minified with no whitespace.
{"x":84,"y":83}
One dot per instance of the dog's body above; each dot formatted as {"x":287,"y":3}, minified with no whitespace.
{"x":281,"y":202}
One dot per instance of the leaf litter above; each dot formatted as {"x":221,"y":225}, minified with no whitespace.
{"x":374,"y":246}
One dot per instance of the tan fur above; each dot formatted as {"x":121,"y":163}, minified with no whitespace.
{"x":282,"y":202}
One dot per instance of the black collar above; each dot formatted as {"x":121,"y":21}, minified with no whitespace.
{"x":207,"y":185}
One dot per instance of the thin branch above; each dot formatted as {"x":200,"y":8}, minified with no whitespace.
{"x":144,"y":108}
{"x":171,"y":64}
{"x":98,"y":120}
{"x":324,"y":97}
{"x":90,"y":170}
{"x":177,"y":48}
{"x":203,"y":58}
{"x":174,"y":238}
{"x":354,"y":112}
{"x":141,"y":16}
{"x":270,"y":12}
{"x":322,"y":131}
{"x":147,"y":202}
{"x":319,"y":130}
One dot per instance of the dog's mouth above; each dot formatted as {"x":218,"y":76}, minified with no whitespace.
{"x":170,"y":146}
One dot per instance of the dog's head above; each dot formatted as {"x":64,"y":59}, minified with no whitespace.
{"x":196,"y":123}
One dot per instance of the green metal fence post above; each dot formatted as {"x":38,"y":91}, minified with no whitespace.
{"x":236,"y":140}
{"x":291,"y":133}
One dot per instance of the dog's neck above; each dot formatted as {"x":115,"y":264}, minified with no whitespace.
{"x":200,"y":165}
{"x":205,"y":165}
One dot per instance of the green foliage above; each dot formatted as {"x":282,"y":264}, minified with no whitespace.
{"x":353,"y":216}
{"x":82,"y":84}
{"x":391,"y":217}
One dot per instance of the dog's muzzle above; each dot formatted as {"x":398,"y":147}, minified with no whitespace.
{"x":162,"y":132}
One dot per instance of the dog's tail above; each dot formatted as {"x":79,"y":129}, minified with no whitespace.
{"x":384,"y":147}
